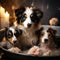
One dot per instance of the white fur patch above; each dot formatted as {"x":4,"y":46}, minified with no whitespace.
{"x":45,"y":36}
{"x":28,"y":12}
{"x":13,"y":31}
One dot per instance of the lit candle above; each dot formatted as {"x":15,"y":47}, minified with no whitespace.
{"x":7,"y":14}
{"x":6,"y":19}
{"x":2,"y":11}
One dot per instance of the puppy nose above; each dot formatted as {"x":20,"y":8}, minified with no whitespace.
{"x":46,"y":40}
{"x":29,"y":25}
{"x":15,"y":42}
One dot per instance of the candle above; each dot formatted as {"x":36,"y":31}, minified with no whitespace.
{"x":2,"y":11}
{"x":4,"y":18}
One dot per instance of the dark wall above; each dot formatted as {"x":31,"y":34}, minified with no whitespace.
{"x":50,"y":8}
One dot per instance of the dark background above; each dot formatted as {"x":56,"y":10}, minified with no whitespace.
{"x":50,"y":8}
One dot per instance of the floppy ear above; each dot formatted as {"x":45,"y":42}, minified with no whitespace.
{"x":51,"y":30}
{"x":2,"y":33}
{"x":39,"y":13}
{"x":36,"y":15}
{"x":18,"y":13}
{"x":39,"y":31}
{"x":18,"y":31}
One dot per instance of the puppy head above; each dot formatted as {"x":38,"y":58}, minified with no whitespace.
{"x":28,"y":15}
{"x":12,"y":34}
{"x":47,"y":37}
{"x":44,"y":37}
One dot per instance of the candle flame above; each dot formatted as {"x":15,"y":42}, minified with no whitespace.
{"x":7,"y":14}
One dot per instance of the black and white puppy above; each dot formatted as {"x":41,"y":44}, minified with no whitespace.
{"x":27,"y":16}
{"x":28,"y":20}
{"x":8,"y":37}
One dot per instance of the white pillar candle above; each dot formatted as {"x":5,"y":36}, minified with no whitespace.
{"x":2,"y":11}
{"x":6,"y":19}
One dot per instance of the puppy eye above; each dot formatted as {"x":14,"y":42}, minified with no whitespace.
{"x":42,"y":34}
{"x":9,"y":35}
{"x":33,"y":17}
{"x":23,"y":17}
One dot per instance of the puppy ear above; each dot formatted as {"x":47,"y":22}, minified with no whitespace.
{"x":2,"y":33}
{"x":18,"y":32}
{"x":18,"y":13}
{"x":39,"y":31}
{"x":51,"y":30}
{"x":36,"y":15}
{"x":41,"y":28}
{"x":39,"y":13}
{"x":55,"y":31}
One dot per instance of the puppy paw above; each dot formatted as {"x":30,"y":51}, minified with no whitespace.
{"x":15,"y":50}
{"x":47,"y":53}
{"x":35,"y":50}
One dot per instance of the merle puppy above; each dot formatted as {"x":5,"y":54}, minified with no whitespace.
{"x":28,"y":21}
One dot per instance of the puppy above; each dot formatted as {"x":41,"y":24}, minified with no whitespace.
{"x":28,"y":20}
{"x":9,"y":38}
{"x":8,"y":35}
{"x":15,"y":50}
{"x":47,"y":43}
{"x":47,"y":37}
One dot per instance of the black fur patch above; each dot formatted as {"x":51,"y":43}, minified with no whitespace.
{"x":19,"y":14}
{"x":36,"y":15}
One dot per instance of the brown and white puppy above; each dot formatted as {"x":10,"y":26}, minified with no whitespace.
{"x":47,"y":37}
{"x":28,"y":20}
{"x":47,"y":44}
